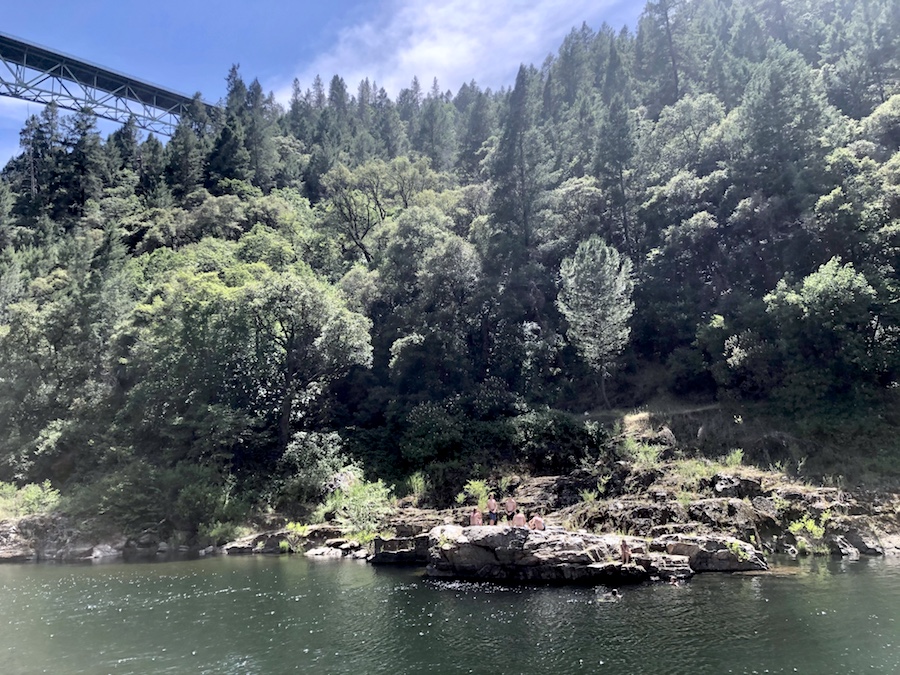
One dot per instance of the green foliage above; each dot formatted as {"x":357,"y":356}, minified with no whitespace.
{"x":588,"y":496}
{"x":30,"y":499}
{"x":642,"y":454}
{"x":553,"y":442}
{"x":310,"y":460}
{"x":475,"y":491}
{"x":418,"y":487}
{"x":739,"y":552}
{"x":808,"y":525}
{"x":359,"y":507}
{"x":595,"y":299}
{"x":436,"y":285}
{"x":218,"y":533}
{"x":734,"y":458}
{"x":781,"y":504}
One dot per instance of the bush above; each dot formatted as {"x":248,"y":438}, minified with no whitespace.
{"x":551,"y":441}
{"x":28,"y":500}
{"x":359,"y":507}
{"x":641,"y":454}
{"x":308,"y":463}
{"x":734,"y":458}
{"x":808,"y":525}
{"x":475,"y":491}
{"x":140,"y":496}
{"x":448,"y":479}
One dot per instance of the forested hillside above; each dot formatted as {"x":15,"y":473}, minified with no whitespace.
{"x":706,"y":207}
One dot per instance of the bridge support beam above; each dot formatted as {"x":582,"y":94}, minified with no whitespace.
{"x":37,"y":74}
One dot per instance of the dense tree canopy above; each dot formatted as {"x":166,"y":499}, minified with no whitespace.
{"x":422,"y":283}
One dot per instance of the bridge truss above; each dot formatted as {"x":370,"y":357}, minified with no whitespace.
{"x":37,"y":74}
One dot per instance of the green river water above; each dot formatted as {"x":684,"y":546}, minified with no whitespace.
{"x":287,"y":614}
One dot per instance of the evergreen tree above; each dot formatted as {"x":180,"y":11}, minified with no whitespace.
{"x":85,"y":163}
{"x":185,"y":161}
{"x":229,"y":158}
{"x":595,"y":299}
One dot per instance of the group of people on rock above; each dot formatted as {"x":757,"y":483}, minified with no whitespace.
{"x":511,"y":515}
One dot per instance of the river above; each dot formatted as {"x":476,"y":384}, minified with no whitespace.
{"x":287,"y":614}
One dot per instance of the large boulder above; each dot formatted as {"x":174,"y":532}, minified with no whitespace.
{"x":712,"y":553}
{"x":861,"y":537}
{"x":518,"y":554}
{"x":400,"y":550}
{"x":14,"y":547}
{"x":733,"y":485}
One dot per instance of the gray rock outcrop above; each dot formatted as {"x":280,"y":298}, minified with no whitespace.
{"x":711,"y":553}
{"x":548,"y":556}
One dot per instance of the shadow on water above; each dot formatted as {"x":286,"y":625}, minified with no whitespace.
{"x":270,"y":615}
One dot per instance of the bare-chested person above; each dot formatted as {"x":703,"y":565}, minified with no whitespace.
{"x":510,"y":507}
{"x":626,"y":551}
{"x":518,"y":519}
{"x":536,"y":522}
{"x":475,"y":517}
{"x":493,"y":515}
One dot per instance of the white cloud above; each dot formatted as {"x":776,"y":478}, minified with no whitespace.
{"x":453,"y":40}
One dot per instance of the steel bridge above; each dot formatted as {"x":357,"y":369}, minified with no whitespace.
{"x":34,"y":73}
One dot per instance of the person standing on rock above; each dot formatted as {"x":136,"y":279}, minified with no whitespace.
{"x":518,"y":519}
{"x":626,"y":551}
{"x":536,"y":522}
{"x":511,"y":507}
{"x":475,"y":518}
{"x":493,"y":516}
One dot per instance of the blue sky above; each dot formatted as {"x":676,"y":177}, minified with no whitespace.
{"x":189,"y":45}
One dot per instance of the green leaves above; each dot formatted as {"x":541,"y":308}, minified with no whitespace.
{"x":595,"y":298}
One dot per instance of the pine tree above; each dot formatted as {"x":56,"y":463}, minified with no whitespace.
{"x":185,"y":164}
{"x":595,"y":299}
{"x":229,"y":158}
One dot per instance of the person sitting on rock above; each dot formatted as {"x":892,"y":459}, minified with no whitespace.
{"x":493,"y":515}
{"x":475,"y":517}
{"x":626,"y":551}
{"x":536,"y":522}
{"x":511,"y":507}
{"x":518,"y":519}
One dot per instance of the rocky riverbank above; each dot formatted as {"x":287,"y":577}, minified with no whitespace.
{"x":514,"y":554}
{"x":696,"y":501}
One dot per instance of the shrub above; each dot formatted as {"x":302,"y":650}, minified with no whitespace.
{"x":476,"y":491}
{"x":139,"y":496}
{"x":807,"y":525}
{"x":359,"y":508}
{"x":296,"y":533}
{"x":588,"y":496}
{"x":738,"y":551}
{"x":28,"y":500}
{"x":641,"y":454}
{"x":218,"y":532}
{"x":734,"y":458}
{"x":418,"y":486}
{"x":552,"y":441}
{"x":308,"y":462}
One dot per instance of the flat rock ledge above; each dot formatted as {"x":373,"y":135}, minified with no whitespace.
{"x":556,"y":556}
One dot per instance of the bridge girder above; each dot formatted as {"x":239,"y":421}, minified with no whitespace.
{"x":34,"y":73}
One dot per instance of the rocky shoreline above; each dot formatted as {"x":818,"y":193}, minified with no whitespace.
{"x":729,"y":523}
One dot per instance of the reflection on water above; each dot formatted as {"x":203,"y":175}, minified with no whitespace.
{"x":285,"y":614}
